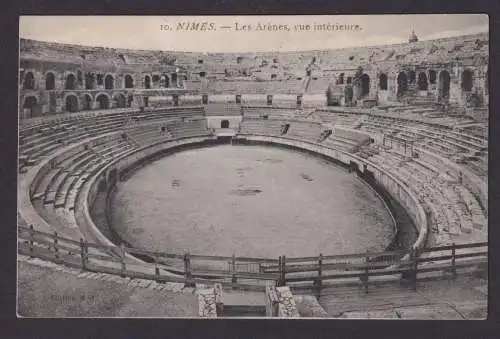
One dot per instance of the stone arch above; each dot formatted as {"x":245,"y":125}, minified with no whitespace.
{"x":173,"y":77}
{"x":87,"y":102}
{"x":156,"y":79}
{"x":71,"y":103}
{"x":412,"y":77}
{"x":432,"y":76}
{"x":102,"y":100}
{"x":29,"y":81}
{"x":70,"y":82}
{"x":129,"y":81}
{"x":422,"y":81}
{"x":119,"y":101}
{"x":224,"y":124}
{"x":382,"y":81}
{"x":467,"y":80}
{"x":147,"y":82}
{"x":402,"y":81}
{"x":30,"y":106}
{"x":109,"y":82}
{"x":364,"y":85}
{"x":341,"y":79}
{"x":50,"y":81}
{"x":444,"y":85}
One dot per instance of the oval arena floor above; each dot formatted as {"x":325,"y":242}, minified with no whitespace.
{"x":253,"y":201}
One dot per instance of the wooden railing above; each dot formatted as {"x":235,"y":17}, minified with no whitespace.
{"x":314,"y":272}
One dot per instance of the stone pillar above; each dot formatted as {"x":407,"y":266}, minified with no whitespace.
{"x":269,"y":99}
{"x":204,"y":99}
{"x":175,"y":98}
{"x":238,"y":98}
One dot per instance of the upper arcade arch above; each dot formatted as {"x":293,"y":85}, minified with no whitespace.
{"x":109,"y":82}
{"x":402,"y":81}
{"x":29,"y":81}
{"x":467,"y":80}
{"x":444,"y":85}
{"x":70,"y":82}
{"x":129,"y":81}
{"x":382,"y":81}
{"x":147,"y":82}
{"x":422,"y":81}
{"x":50,"y":81}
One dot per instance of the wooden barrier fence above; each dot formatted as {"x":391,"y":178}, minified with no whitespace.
{"x":252,"y":273}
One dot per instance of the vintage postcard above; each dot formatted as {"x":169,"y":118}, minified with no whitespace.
{"x":302,"y":167}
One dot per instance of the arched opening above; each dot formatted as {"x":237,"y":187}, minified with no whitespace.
{"x":348,"y":94}
{"x":90,"y":81}
{"x":30,"y":105}
{"x":422,"y":81}
{"x":364,"y":85}
{"x":402,"y":83}
{"x":71,"y":103}
{"x":349,"y":80}
{"x":129,"y":82}
{"x":119,"y":101}
{"x":173,"y":76}
{"x":444,"y":85}
{"x":29,"y":81}
{"x":383,"y":82}
{"x":202,"y":74}
{"x":341,"y":79}
{"x":273,"y":76}
{"x":156,"y":79}
{"x":412,"y":77}
{"x":224,"y":124}
{"x":147,"y":82}
{"x":308,"y":72}
{"x":166,"y":81}
{"x":103,"y":101}
{"x":432,"y":77}
{"x":87,"y":102}
{"x":70,"y":82}
{"x":467,"y":81}
{"x":109,"y":82}
{"x":50,"y":81}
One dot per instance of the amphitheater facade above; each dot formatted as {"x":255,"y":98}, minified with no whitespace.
{"x":410,"y":120}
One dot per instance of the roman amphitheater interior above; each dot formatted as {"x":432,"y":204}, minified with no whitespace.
{"x":410,"y":119}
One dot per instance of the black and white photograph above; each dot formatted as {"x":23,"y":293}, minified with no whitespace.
{"x":278,"y":166}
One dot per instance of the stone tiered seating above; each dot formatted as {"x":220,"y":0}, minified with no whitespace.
{"x":222,"y":109}
{"x":261,"y":127}
{"x":169,"y":113}
{"x":271,"y":112}
{"x":318,"y":85}
{"x":256,"y":87}
{"x":304,"y":131}
{"x":188,"y":129}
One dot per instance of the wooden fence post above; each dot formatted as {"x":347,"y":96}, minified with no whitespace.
{"x":283,"y":271}
{"x":157,"y":270}
{"x":453,"y":267}
{"x":56,"y":248}
{"x":280,"y":267}
{"x":31,"y":240}
{"x":319,"y":283}
{"x":233,"y":270}
{"x":415,"y":268}
{"x":187,"y":270}
{"x":366,"y":277}
{"x":82,"y":254}
{"x":122,"y":260}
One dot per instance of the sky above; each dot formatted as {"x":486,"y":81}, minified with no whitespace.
{"x":162,"y":33}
